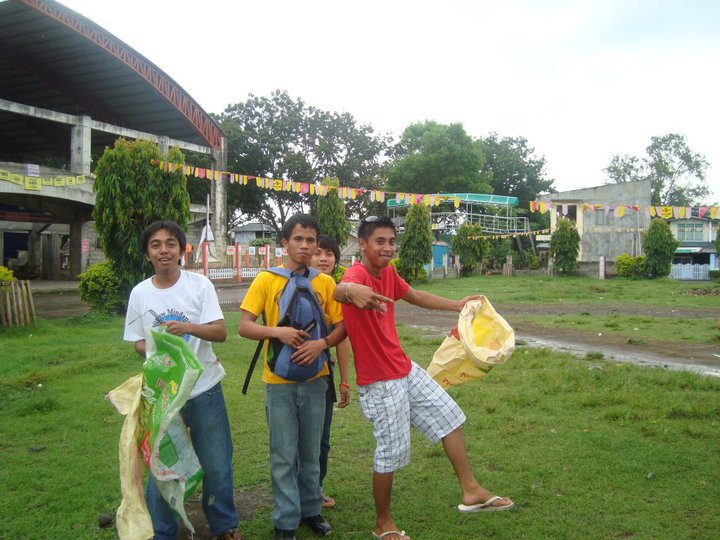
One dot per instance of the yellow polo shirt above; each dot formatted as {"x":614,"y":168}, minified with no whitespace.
{"x":263,"y":297}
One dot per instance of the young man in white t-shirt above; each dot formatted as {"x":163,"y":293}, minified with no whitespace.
{"x":187,"y":305}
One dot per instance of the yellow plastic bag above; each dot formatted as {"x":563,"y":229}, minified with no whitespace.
{"x":481,"y":340}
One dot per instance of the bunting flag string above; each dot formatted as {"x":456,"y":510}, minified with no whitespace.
{"x":664,"y":212}
{"x":37,"y":183}
{"x":306,"y":187}
{"x":311,"y":188}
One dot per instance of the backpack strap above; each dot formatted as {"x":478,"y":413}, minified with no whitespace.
{"x":252,"y":365}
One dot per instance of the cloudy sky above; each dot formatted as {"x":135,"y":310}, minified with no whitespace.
{"x":581,"y":80}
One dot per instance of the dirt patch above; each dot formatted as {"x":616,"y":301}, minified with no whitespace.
{"x":246,"y":502}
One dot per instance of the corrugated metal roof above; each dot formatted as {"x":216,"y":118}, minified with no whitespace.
{"x":54,"y":58}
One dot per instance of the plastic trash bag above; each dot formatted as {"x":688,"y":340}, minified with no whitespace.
{"x":132,"y":517}
{"x":154,"y":429}
{"x":169,"y":375}
{"x":481,"y":340}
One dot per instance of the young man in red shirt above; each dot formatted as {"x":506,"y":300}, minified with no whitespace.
{"x":393,"y":391}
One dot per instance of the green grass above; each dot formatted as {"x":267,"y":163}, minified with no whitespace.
{"x":577,"y":290}
{"x":639,"y":329}
{"x":586,"y":448}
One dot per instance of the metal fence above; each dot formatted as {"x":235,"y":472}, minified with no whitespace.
{"x":690,"y":272}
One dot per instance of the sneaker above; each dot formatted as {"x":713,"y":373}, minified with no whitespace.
{"x":327,"y":502}
{"x":281,"y":534}
{"x":318,"y":525}
{"x":230,"y":534}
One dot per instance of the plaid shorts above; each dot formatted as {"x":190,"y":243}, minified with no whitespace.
{"x":393,"y":405}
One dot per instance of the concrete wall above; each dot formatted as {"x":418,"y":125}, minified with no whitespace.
{"x":602,"y":231}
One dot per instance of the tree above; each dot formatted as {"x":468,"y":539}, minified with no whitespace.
{"x":565,"y":246}
{"x":415,"y":244}
{"x":282,"y":138}
{"x":676,"y":173}
{"x":330,"y":214}
{"x":470,"y":247}
{"x":437,"y":158}
{"x":131,"y":193}
{"x":513,"y":169}
{"x":659,"y":246}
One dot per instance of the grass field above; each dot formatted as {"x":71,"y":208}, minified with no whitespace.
{"x":586,"y":448}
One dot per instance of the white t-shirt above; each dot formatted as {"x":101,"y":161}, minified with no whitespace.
{"x":191,"y":299}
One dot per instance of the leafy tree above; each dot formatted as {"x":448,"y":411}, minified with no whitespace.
{"x":437,"y":158}
{"x":283,"y":138}
{"x":659,"y":246}
{"x":513,"y":169}
{"x":131,"y":193}
{"x":415,"y":244}
{"x":565,"y":246}
{"x":470,"y":247}
{"x":676,"y":172}
{"x":330,"y":214}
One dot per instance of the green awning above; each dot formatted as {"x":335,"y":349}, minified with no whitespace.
{"x":477,"y":198}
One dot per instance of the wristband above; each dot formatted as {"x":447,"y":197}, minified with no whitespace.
{"x":327,"y":342}
{"x":344,"y":385}
{"x":347,"y":294}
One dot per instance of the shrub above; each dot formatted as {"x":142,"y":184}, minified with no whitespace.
{"x":659,"y":246}
{"x":100,"y":289}
{"x":631,"y":267}
{"x":338,"y":273}
{"x":498,"y":250}
{"x":470,"y":247}
{"x":714,"y":274}
{"x":416,"y":244}
{"x":533,"y":261}
{"x":565,"y":246}
{"x":6,"y":274}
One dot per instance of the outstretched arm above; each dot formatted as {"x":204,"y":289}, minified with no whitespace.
{"x":360,"y":296}
{"x":428,"y":300}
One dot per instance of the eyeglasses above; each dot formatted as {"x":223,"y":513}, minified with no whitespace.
{"x":370,"y":219}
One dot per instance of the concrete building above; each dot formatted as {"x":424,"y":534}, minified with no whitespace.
{"x":696,"y":255}
{"x":68,"y":89}
{"x":605,"y":230}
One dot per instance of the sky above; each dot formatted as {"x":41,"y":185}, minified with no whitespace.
{"x":581,"y":80}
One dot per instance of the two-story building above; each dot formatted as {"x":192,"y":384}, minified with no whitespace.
{"x":697,"y":254}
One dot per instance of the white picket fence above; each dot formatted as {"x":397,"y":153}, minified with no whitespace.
{"x":229,"y":273}
{"x":690,"y":272}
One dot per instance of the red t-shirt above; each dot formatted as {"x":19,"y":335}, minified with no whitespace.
{"x":374,"y":339}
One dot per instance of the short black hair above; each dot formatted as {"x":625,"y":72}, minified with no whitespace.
{"x":304,"y":220}
{"x":369,"y":224}
{"x":325,"y":242}
{"x":173,"y":228}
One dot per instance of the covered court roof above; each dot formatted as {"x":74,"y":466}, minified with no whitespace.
{"x":53,"y":58}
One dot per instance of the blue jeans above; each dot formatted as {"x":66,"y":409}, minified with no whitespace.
{"x":206,"y":417}
{"x":295,"y":416}
{"x":325,"y":440}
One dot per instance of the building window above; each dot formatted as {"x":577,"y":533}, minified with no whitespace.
{"x":690,"y":232}
{"x":601,"y":218}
